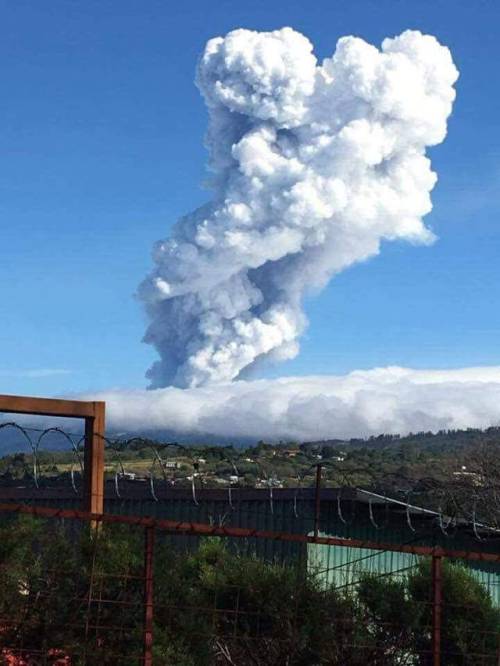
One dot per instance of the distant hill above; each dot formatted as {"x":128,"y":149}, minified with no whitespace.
{"x":12,"y":441}
{"x":442,"y":441}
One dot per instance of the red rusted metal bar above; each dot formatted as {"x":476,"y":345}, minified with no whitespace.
{"x":148,"y":596}
{"x":318,"y":500}
{"x":16,"y":404}
{"x":204,"y":529}
{"x":437,"y":598}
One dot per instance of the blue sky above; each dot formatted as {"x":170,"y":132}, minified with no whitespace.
{"x":101,"y":143}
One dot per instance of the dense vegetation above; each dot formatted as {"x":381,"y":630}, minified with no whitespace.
{"x":81,"y":595}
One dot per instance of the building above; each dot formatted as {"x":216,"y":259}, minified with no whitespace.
{"x":349,"y":513}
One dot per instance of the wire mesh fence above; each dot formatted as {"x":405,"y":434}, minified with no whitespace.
{"x":117,"y":591}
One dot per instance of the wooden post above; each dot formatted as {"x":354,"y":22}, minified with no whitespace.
{"x":437,"y":599}
{"x":93,"y":492}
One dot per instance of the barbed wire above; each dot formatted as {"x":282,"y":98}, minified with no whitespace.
{"x":452,"y":502}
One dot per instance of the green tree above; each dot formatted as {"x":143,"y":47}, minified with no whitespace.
{"x":399,"y":614}
{"x":470,"y":622}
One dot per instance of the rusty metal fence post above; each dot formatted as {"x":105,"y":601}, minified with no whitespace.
{"x":148,"y":596}
{"x":437,"y":600}
{"x":93,"y":491}
{"x":318,"y":500}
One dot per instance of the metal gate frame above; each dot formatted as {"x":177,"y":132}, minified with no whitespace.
{"x":94,"y":415}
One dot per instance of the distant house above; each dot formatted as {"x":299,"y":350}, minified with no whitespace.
{"x":171,"y":464}
{"x":477,"y":479}
{"x":290,"y":453}
{"x":269,"y":483}
{"x":128,"y":476}
{"x":354,"y":514}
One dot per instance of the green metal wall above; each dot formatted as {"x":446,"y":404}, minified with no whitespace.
{"x":341,"y":566}
{"x":288,"y":513}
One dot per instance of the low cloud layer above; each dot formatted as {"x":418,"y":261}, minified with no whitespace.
{"x":361,"y":403}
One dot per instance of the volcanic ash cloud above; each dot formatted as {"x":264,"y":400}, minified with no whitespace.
{"x":312,"y":166}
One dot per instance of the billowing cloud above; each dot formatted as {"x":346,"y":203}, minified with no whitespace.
{"x":361,"y":403}
{"x":313,"y":166}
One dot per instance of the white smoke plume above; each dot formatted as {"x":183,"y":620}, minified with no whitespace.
{"x":364,"y":402}
{"x":313,"y":165}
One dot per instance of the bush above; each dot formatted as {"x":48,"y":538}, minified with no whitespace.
{"x":80,"y":593}
{"x":399,"y":614}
